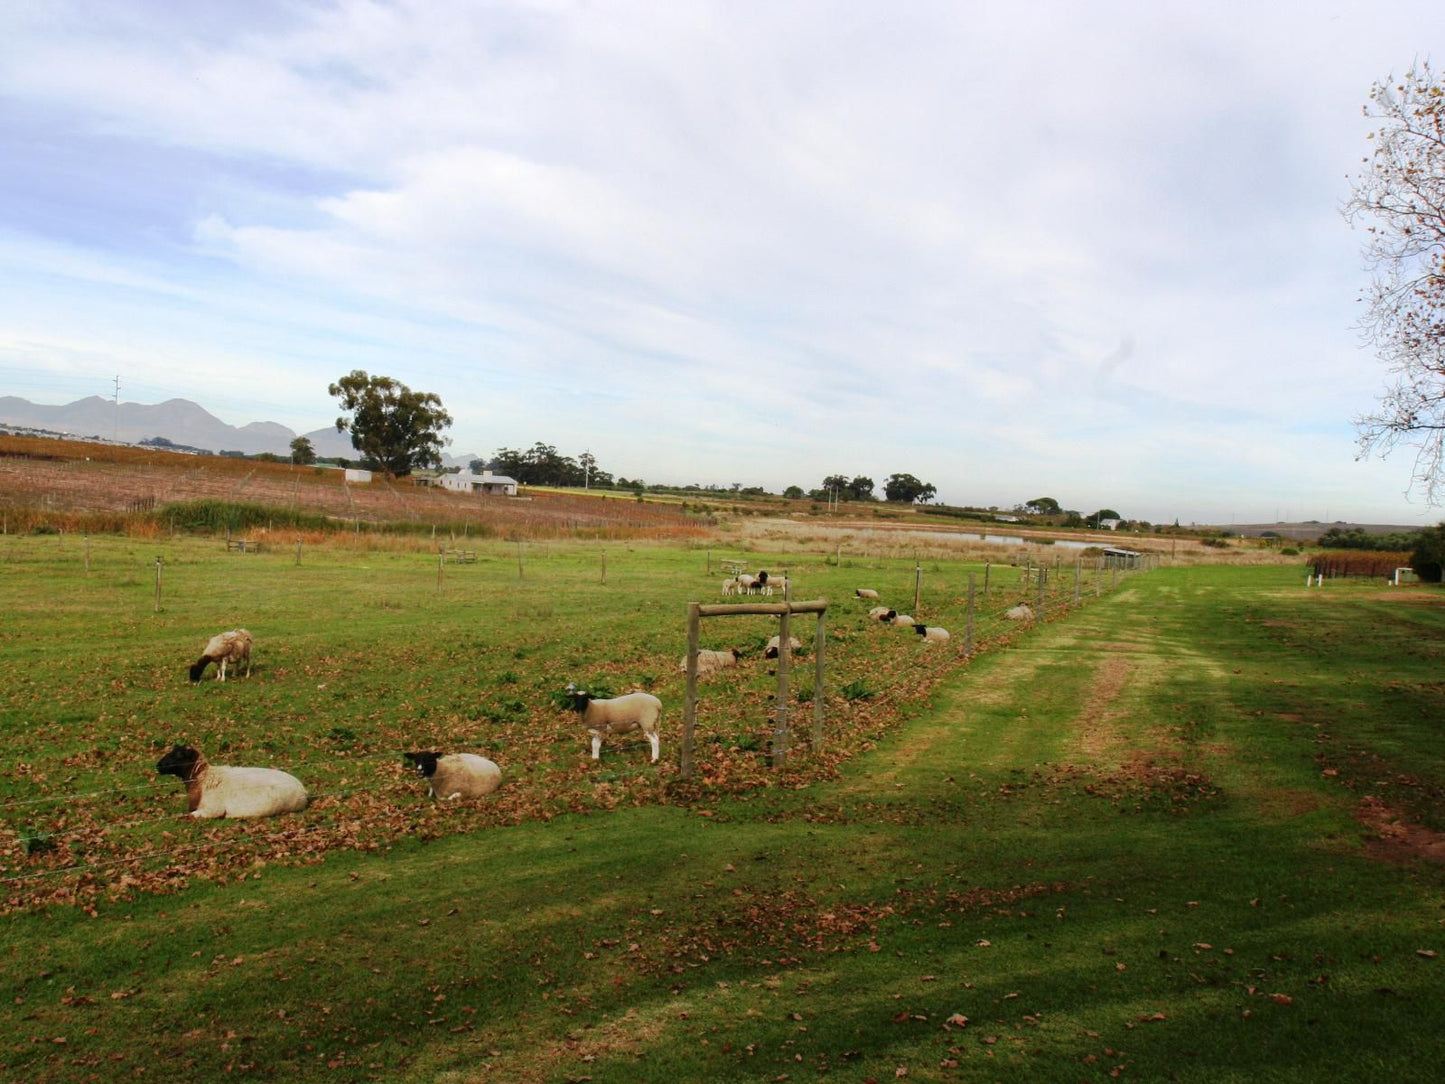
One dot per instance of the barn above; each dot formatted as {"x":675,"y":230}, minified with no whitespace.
{"x":486,"y":483}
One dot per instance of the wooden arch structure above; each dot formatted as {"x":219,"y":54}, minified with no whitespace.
{"x":784,"y":611}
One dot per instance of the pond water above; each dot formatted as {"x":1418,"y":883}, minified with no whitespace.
{"x":1014,"y":540}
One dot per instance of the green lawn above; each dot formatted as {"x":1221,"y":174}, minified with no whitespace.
{"x":1178,"y":834}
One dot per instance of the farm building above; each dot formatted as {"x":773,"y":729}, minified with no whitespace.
{"x":356,"y":474}
{"x":1117,"y":558}
{"x":485,"y":483}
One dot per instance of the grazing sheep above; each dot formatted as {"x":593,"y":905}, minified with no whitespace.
{"x":710,"y":662}
{"x":1021,"y":612}
{"x":233,"y":646}
{"x":882,"y":613}
{"x":775,"y":644}
{"x":931,"y":633}
{"x":901,"y":619}
{"x":619,"y":715}
{"x":456,"y":775}
{"x":745,"y":583}
{"x":216,"y":791}
{"x":865,"y":592}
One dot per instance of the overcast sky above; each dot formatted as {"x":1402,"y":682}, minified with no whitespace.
{"x":1084,"y":250}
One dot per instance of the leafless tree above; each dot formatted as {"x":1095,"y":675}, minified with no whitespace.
{"x":1400,"y":199}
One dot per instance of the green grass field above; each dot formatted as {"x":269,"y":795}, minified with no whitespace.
{"x":1183,"y":832}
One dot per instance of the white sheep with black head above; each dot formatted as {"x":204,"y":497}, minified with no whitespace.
{"x":931,"y":634}
{"x":775,"y":645}
{"x":215,"y":790}
{"x":451,"y":776}
{"x":224,"y":647}
{"x":618,"y":715}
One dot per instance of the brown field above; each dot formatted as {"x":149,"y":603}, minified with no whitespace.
{"x":76,"y":485}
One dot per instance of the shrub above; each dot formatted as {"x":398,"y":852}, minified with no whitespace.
{"x":1428,"y":558}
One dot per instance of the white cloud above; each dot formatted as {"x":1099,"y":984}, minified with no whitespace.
{"x":988,"y":246}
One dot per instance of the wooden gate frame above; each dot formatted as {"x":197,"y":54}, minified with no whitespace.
{"x":784,"y":610}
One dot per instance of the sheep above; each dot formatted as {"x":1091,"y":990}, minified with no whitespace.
{"x":619,"y":715}
{"x":766,"y":583}
{"x":732,"y":586}
{"x":931,"y":633}
{"x":709,"y":662}
{"x":865,"y":592}
{"x":900,"y":619}
{"x":451,"y":776}
{"x":233,"y":646}
{"x":216,"y":791}
{"x":771,"y":651}
{"x":881,"y":613}
{"x":745,"y":583}
{"x":1021,"y":612}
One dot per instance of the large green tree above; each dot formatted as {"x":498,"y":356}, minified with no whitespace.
{"x":394,"y":428}
{"x":906,"y":489}
{"x":302,"y":451}
{"x":1400,"y":196}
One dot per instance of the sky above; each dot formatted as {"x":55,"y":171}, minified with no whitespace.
{"x":1092,"y":251}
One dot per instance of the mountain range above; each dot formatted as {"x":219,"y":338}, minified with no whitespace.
{"x":179,"y":421}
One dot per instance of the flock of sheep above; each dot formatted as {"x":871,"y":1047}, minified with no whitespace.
{"x":214,"y":790}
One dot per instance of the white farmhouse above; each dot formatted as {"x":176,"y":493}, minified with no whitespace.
{"x":485,"y":483}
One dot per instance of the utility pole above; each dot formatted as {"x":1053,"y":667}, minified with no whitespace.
{"x":115,"y":434}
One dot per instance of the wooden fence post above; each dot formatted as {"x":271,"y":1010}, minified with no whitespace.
{"x":604,"y":566}
{"x":986,"y":568}
{"x":441,"y":568}
{"x":689,"y":709}
{"x":917,"y":585}
{"x":521,"y":574}
{"x":785,"y":657}
{"x":1043,"y":583}
{"x":968,"y":626}
{"x":158,"y":585}
{"x":819,"y":639}
{"x":1078,"y":572}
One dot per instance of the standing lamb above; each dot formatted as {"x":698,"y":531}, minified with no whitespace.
{"x":619,"y":715}
{"x":456,"y":775}
{"x":216,"y":791}
{"x":233,"y":646}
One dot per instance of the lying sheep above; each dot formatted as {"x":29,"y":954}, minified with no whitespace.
{"x":901,"y":619}
{"x":1021,"y":612}
{"x":881,"y":613}
{"x":931,"y":633}
{"x":865,"y":592}
{"x":710,"y":662}
{"x":456,"y":775}
{"x":619,"y":715}
{"x":216,"y":791}
{"x":775,"y":644}
{"x":233,"y":646}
